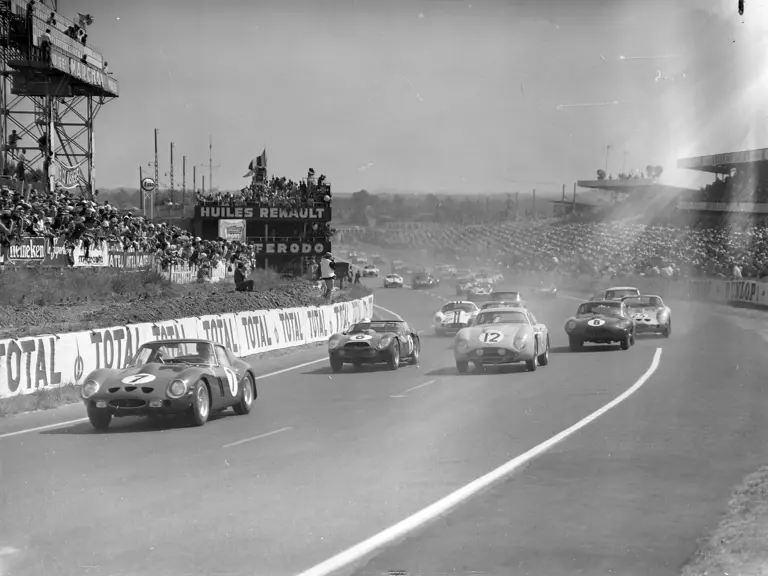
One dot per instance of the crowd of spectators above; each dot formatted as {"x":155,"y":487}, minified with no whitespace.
{"x":612,"y":248}
{"x":742,"y":186}
{"x":275,"y":191}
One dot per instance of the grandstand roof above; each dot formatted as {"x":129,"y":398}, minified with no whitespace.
{"x":617,"y":185}
{"x":723,"y":163}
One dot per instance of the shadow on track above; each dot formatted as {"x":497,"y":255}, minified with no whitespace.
{"x":349,"y":369}
{"x":135,"y":425}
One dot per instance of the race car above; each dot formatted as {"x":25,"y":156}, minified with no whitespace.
{"x":424,"y":280}
{"x":502,"y":336}
{"x":479,"y":292}
{"x":393,"y":281}
{"x":360,"y":259}
{"x":503,"y":304}
{"x":601,"y":322}
{"x":599,"y":295}
{"x":398,"y":266}
{"x":374,"y":342}
{"x":501,"y":296}
{"x":167,"y":377}
{"x":619,"y":292}
{"x":494,"y":276}
{"x":445,"y":270}
{"x":370,"y":271}
{"x":377,"y":259}
{"x":650,"y":314}
{"x":550,"y":292}
{"x":464,"y":284}
{"x":454,"y":316}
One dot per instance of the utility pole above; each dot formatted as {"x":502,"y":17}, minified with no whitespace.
{"x":172,"y":189}
{"x":183,"y":179}
{"x":157,"y":182}
{"x":194,"y":180}
{"x":210,"y":162}
{"x":142,"y":193}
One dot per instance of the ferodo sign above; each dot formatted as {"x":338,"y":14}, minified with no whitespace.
{"x":292,"y":248}
{"x":39,"y":362}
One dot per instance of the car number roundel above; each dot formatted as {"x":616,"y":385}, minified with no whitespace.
{"x":596,"y":322}
{"x":359,"y":337}
{"x":138,"y":379}
{"x":491,"y":337}
{"x":231,"y":380}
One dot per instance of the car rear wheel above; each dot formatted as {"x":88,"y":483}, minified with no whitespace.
{"x":533,"y":362}
{"x":201,"y":405}
{"x":394,"y":357}
{"x":336,"y":364}
{"x":544,"y":358}
{"x":626,"y":342}
{"x":99,"y":418}
{"x":247,"y":397}
{"x":575,"y":344}
{"x":462,"y":367}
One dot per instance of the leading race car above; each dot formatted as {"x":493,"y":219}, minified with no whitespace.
{"x":601,"y":322}
{"x":463,"y":284}
{"x":479,"y":292}
{"x":454,"y":316}
{"x":550,"y":292}
{"x":650,"y":314}
{"x":502,"y":304}
{"x":619,"y":292}
{"x":424,"y":280}
{"x":374,"y":342}
{"x":370,"y":271}
{"x":393,"y":281}
{"x":192,"y":377}
{"x":502,"y":336}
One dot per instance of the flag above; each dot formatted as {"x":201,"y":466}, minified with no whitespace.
{"x":258,"y":162}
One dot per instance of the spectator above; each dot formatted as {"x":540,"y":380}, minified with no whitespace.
{"x":241,"y":284}
{"x":327,"y":274}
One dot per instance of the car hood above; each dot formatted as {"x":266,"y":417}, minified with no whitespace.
{"x":610,"y":320}
{"x":373,"y":338}
{"x":474,"y":333}
{"x":644,"y":309}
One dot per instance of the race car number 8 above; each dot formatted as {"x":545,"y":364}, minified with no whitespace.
{"x":360,"y":337}
{"x":491,"y":337}
{"x":596,"y":322}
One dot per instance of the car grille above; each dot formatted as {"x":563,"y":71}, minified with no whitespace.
{"x":357,"y":345}
{"x":145,"y":389}
{"x":127,"y":403}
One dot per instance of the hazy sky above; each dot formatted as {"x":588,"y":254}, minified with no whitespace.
{"x":438,"y":95}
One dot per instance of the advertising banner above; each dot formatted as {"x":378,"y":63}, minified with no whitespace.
{"x":232,"y":230}
{"x":291,"y":248}
{"x":39,"y":362}
{"x":37,"y":251}
{"x":128,"y":259}
{"x":257,"y":212}
{"x":96,"y":256}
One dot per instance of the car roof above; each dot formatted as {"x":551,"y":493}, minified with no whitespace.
{"x":386,"y":321}
{"x":606,"y":302}
{"x":622,"y":288}
{"x":642,"y":296}
{"x":459,"y":302}
{"x":506,"y":309}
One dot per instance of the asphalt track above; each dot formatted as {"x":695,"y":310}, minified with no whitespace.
{"x":326,"y":461}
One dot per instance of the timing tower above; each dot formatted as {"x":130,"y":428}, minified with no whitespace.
{"x":53,"y":84}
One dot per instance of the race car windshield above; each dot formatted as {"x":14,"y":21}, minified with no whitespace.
{"x":375,"y":326}
{"x":454,"y":306}
{"x":611,"y":294}
{"x":602,"y":308}
{"x":173,"y":353}
{"x":643,"y":302}
{"x":502,"y":305}
{"x":501,"y":318}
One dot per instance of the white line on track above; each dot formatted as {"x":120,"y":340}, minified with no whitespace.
{"x":403,"y":394}
{"x":252,"y":438}
{"x":388,"y":311}
{"x":430,"y":513}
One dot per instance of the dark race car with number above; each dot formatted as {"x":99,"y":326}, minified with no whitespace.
{"x":374,"y":342}
{"x":424,"y":280}
{"x":601,"y":322}
{"x":650,"y":314}
{"x":167,"y":377}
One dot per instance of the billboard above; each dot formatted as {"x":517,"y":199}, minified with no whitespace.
{"x":291,"y":248}
{"x":256,"y":212}
{"x":232,"y":230}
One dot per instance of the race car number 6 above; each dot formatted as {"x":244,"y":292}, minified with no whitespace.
{"x":491,"y":337}
{"x":596,"y":322}
{"x":360,"y":337}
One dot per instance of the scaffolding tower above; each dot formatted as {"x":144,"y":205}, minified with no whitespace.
{"x":52,"y":85}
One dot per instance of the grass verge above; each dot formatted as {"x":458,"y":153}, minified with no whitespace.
{"x":739,"y":544}
{"x":43,"y":301}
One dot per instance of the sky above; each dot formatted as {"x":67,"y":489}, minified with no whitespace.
{"x":428,"y":95}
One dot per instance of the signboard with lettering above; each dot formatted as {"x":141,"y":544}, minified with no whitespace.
{"x":83,"y":72}
{"x":38,"y":251}
{"x":296,"y":248}
{"x":232,"y":230}
{"x":317,"y":213}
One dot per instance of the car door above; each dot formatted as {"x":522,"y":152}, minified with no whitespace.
{"x":227,"y":377}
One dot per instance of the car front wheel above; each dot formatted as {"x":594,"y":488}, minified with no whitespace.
{"x":245,"y":403}
{"x":201,"y":405}
{"x":394,"y":357}
{"x":99,"y":418}
{"x":336,"y":364}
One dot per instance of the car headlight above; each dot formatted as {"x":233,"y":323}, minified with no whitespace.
{"x":333,"y":343}
{"x":519,"y":340}
{"x":570,"y":325}
{"x":462,"y":345}
{"x":89,"y":388}
{"x":177,"y":389}
{"x":384,"y":342}
{"x":438,"y":317}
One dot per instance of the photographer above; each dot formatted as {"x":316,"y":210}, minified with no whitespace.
{"x":327,"y":274}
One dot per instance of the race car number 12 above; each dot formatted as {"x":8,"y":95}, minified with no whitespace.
{"x":492,"y":337}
